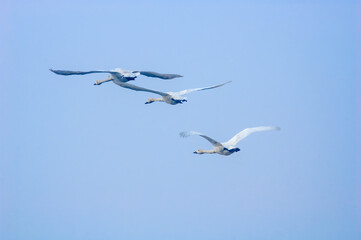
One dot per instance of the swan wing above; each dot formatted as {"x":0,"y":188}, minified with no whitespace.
{"x":159,"y":75}
{"x":211,"y":140}
{"x":246,"y":132}
{"x":199,"y":89}
{"x":66,"y":72}
{"x":136,"y":88}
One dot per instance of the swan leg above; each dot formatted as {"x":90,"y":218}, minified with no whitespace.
{"x":176,"y":101}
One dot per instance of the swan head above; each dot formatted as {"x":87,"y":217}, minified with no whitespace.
{"x":198,"y":152}
{"x":150,"y":100}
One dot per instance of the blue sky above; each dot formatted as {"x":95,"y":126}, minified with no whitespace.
{"x":79,"y":161}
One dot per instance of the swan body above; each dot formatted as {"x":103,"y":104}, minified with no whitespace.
{"x":118,"y":74}
{"x":172,"y":98}
{"x":229,"y":147}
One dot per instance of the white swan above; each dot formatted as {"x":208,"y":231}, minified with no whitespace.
{"x":118,"y":75}
{"x":167,"y":97}
{"x":227,"y":148}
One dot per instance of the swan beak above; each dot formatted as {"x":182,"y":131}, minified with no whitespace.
{"x":195,"y":152}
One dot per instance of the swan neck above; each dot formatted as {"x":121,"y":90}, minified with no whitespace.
{"x":156,"y":100}
{"x":206,"y":151}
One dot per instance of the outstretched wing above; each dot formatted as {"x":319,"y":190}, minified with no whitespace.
{"x":159,"y":75}
{"x":212,"y":141}
{"x":198,"y":89}
{"x":246,"y":132}
{"x":66,"y":72}
{"x":136,"y":88}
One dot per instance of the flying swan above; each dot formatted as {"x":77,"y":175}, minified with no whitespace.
{"x":227,"y":148}
{"x":118,"y":75}
{"x":167,"y":97}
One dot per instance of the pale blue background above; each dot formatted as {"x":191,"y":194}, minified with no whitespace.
{"x":79,"y":161}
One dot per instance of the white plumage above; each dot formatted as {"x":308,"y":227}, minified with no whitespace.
{"x":167,"y":97}
{"x":118,"y":74}
{"x":229,"y":147}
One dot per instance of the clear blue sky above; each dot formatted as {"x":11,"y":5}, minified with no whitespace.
{"x":79,"y":161}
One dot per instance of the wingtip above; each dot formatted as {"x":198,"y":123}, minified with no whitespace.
{"x":226,"y":83}
{"x":183,"y":134}
{"x":189,"y":133}
{"x":175,"y":76}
